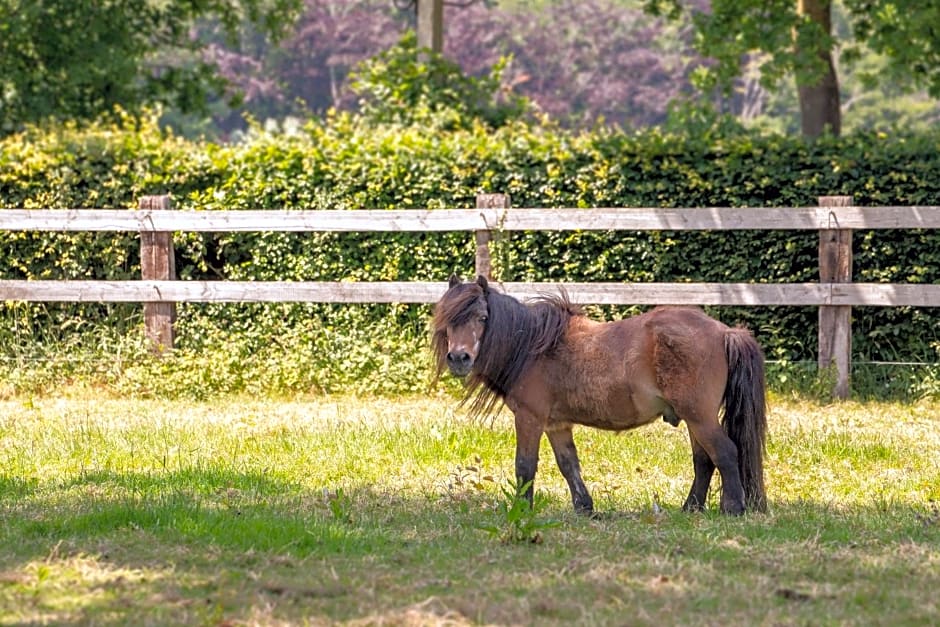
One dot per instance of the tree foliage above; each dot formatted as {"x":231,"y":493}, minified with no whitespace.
{"x":905,"y":32}
{"x":599,"y":61}
{"x":397,"y":86}
{"x":582,"y":63}
{"x":75,"y":59}
{"x":790,"y":38}
{"x":578,"y":62}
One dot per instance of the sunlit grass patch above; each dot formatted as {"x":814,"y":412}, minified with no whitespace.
{"x":333,"y":509}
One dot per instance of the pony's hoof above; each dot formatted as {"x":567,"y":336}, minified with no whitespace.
{"x":587,"y":510}
{"x":732,"y":509}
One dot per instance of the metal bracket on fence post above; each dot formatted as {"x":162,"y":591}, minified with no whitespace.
{"x":835,"y":321}
{"x":157,"y":264}
{"x":484,"y":265}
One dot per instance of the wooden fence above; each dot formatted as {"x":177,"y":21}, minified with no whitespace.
{"x":835,"y":294}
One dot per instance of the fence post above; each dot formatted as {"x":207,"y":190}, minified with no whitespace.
{"x":157,"y":264}
{"x":484,"y":265}
{"x":835,"y":321}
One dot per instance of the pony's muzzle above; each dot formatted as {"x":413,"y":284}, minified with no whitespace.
{"x":459,"y":363}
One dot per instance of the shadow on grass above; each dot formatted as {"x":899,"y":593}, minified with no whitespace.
{"x":223,"y":509}
{"x":251,"y":511}
{"x":216,"y":543}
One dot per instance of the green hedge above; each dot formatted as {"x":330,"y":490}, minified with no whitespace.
{"x":346,"y":163}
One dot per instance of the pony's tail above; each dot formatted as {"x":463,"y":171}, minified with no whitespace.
{"x":745,"y":416}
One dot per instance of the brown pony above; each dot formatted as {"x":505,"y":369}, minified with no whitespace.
{"x":554,"y":368}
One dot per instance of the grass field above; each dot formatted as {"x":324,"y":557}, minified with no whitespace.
{"x":246,"y":511}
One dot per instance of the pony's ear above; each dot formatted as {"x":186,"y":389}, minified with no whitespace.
{"x":454,"y":280}
{"x":481,"y":281}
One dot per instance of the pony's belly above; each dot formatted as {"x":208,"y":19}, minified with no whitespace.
{"x":625,"y":413}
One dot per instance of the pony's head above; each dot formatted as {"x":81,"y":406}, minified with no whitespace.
{"x":490,"y":338}
{"x":459,"y":325}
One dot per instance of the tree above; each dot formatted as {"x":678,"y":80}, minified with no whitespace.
{"x":401,"y":86}
{"x":818,"y":87}
{"x":577,"y":61}
{"x":330,"y":39}
{"x":795,"y":37}
{"x":79,"y":58}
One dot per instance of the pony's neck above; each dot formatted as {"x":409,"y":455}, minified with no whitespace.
{"x":517,"y":335}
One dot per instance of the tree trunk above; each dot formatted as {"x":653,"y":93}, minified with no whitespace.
{"x":430,"y":24}
{"x":819,"y":101}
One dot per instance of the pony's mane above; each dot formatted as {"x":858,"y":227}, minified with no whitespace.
{"x":516,"y":335}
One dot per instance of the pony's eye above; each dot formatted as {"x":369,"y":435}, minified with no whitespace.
{"x":483,"y":319}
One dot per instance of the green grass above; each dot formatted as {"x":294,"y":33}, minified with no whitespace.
{"x":246,"y":511}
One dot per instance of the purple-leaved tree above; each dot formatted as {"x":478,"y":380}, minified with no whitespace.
{"x":579,"y":62}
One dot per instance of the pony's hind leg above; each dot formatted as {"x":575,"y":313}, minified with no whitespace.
{"x":704,"y":468}
{"x":566,"y":455}
{"x":724,"y":455}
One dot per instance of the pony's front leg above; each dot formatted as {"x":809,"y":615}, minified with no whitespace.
{"x":528,"y":438}
{"x":566,"y":455}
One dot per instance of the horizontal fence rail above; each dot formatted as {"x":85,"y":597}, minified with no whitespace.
{"x":835,"y":294}
{"x":749,"y":294}
{"x":486,"y":219}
